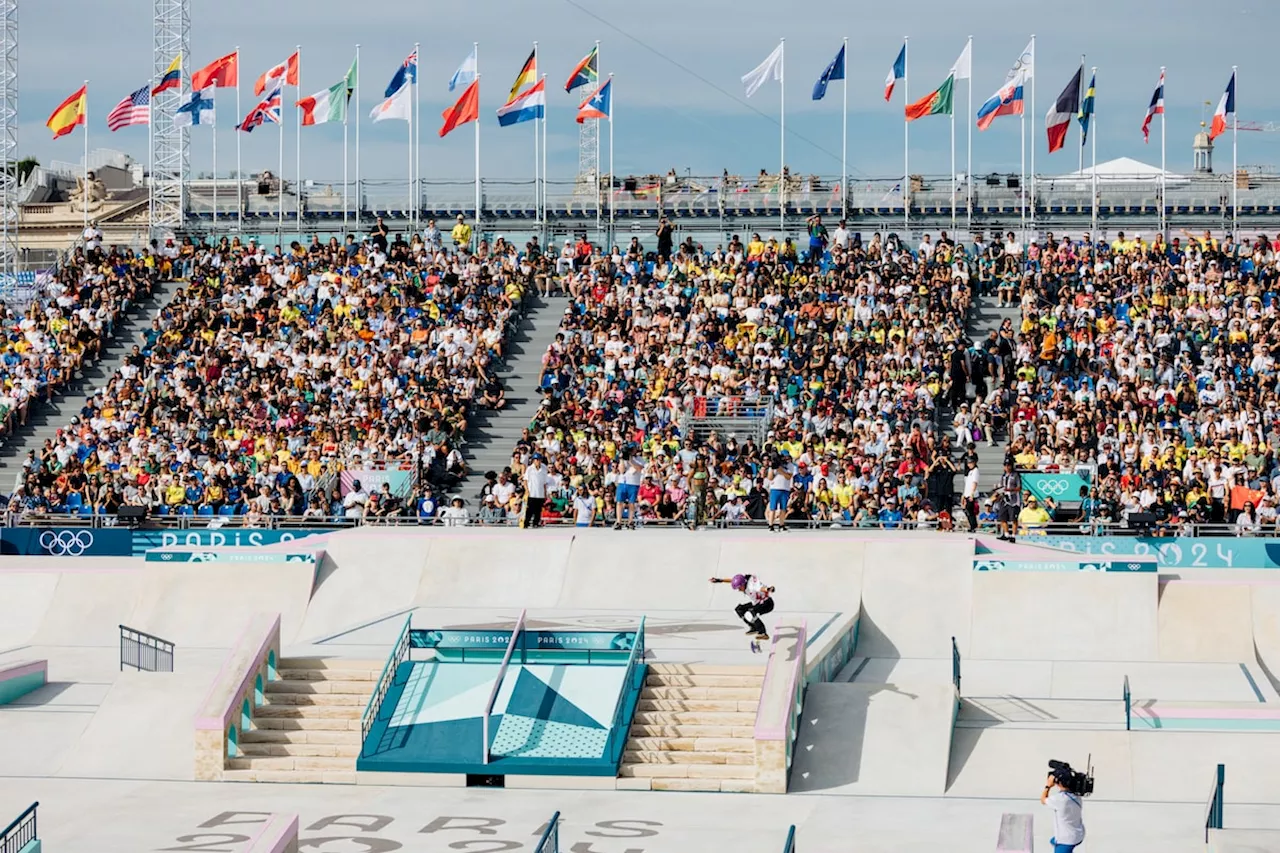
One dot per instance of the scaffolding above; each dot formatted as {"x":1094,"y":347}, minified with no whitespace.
{"x":9,"y":264}
{"x":170,"y":162}
{"x":588,"y":157}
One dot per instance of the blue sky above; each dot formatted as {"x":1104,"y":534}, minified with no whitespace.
{"x":678,"y":100}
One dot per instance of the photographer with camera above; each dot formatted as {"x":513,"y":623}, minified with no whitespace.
{"x":1064,"y":790}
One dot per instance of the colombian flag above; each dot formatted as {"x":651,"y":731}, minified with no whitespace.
{"x":172,"y":78}
{"x":69,"y":113}
{"x":527,"y":77}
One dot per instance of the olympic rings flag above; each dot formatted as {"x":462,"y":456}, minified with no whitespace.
{"x":1060,"y":487}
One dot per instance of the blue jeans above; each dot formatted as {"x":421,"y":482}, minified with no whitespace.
{"x":1062,"y":848}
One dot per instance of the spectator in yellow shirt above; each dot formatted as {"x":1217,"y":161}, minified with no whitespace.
{"x":1032,"y":516}
{"x":461,"y":233}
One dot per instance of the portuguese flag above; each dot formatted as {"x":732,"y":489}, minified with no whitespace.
{"x":936,"y":103}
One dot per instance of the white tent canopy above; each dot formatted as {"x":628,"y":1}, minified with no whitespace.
{"x":1123,"y":170}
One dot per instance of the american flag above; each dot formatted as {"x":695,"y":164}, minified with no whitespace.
{"x":267,"y":110}
{"x":135,"y":109}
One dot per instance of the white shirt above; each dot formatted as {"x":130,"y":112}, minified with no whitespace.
{"x":781,"y":481}
{"x":970,"y":484}
{"x":1068,"y":817}
{"x":584,"y":508}
{"x":841,"y":236}
{"x":535,"y":480}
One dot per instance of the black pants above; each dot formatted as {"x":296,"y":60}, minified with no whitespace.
{"x":533,"y":512}
{"x":971,"y":513}
{"x":755,"y":611}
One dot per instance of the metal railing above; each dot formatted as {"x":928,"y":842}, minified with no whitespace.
{"x":550,"y":840}
{"x":497,"y":684}
{"x":1213,"y":812}
{"x":1128,"y":706}
{"x":632,"y":681}
{"x":790,"y":845}
{"x":21,"y":832}
{"x":144,"y":652}
{"x":397,"y":657}
{"x":955,"y":665}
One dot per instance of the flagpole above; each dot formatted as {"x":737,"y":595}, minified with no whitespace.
{"x":536,"y":159}
{"x":1235,"y":168}
{"x":1164,"y":222}
{"x":906,"y":145}
{"x":409,"y":132}
{"x":346,"y":108}
{"x":215,"y":156}
{"x":542,"y":210}
{"x":782,"y":138}
{"x":1093,"y":206}
{"x":611,"y":109}
{"x":844,"y":137}
{"x":1031,"y":212}
{"x":1081,"y":101}
{"x":417,"y":139}
{"x":297,"y":154}
{"x":953,"y":157}
{"x":85,"y":199}
{"x":239,"y":181}
{"x":280,"y":177}
{"x":476,"y":50}
{"x":968,"y":181}
{"x":597,"y":176}
{"x":357,"y":99}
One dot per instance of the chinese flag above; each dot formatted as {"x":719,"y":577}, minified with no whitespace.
{"x":224,"y":72}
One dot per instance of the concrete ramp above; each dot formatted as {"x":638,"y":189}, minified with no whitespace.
{"x":466,"y":569}
{"x":1008,"y":762}
{"x":916,"y":596}
{"x":1266,"y":631}
{"x":1064,"y":617}
{"x":88,"y":606}
{"x":880,"y":739}
{"x":25,"y":597}
{"x":1206,"y":622}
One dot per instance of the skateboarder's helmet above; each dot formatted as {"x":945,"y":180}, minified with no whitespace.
{"x":739,"y":582}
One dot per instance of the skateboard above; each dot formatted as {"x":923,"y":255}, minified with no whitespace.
{"x":757,"y":644}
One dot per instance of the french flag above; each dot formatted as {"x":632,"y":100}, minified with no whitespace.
{"x":1156,"y":107}
{"x":1225,"y":115}
{"x":1005,"y":102}
{"x":896,"y":73}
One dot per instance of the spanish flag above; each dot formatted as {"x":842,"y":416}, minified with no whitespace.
{"x":69,"y":113}
{"x":527,"y":77}
{"x":172,"y":78}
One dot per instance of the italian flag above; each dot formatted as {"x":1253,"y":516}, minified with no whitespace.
{"x":329,"y":105}
{"x":936,"y":103}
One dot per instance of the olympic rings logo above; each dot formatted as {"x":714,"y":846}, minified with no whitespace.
{"x":1053,"y":488}
{"x":66,"y":543}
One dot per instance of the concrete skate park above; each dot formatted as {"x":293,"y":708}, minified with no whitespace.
{"x":382,"y":689}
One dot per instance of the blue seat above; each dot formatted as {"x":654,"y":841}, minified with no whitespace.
{"x":226,"y":510}
{"x":185,"y":510}
{"x":86,"y":510}
{"x":161,"y":510}
{"x":74,"y":501}
{"x":204,"y":511}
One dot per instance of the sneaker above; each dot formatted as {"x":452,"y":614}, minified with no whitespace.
{"x":617,"y":525}
{"x":772,"y":528}
{"x":762,"y":636}
{"x":752,"y":631}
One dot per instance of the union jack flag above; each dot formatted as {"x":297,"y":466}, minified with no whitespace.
{"x":268,"y":110}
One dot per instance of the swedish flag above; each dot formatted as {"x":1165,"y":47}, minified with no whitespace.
{"x":1086,"y":109}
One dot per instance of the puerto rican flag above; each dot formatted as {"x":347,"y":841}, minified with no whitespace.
{"x":1225,"y":115}
{"x":896,"y":73}
{"x":1156,"y":107}
{"x":268,"y":110}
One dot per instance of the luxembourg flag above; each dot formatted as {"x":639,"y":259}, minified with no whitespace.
{"x":528,"y":105}
{"x":896,"y":73}
{"x":1225,"y":115}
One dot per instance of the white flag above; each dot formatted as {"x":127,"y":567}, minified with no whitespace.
{"x":466,"y":72}
{"x":1024,"y":67}
{"x":399,"y":105}
{"x":758,"y":76}
{"x":963,"y":67}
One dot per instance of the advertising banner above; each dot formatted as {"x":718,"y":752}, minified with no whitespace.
{"x":480,"y":638}
{"x":1173,"y":552}
{"x":372,"y":481}
{"x":1060,"y":487}
{"x":1120,"y":565}
{"x":160,"y":555}
{"x":65,"y":542}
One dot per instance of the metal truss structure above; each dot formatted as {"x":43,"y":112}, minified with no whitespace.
{"x":169,"y":148}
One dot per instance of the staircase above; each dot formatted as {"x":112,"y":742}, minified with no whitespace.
{"x":491,"y":436}
{"x":44,"y":421}
{"x":308,"y":727}
{"x":694,"y":729}
{"x":984,"y":318}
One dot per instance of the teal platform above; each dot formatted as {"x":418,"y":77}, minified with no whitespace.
{"x":562,"y":706}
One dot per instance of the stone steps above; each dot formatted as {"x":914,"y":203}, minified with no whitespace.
{"x":644,"y":756}
{"x":691,"y":744}
{"x":313,"y":750}
{"x":696,"y":718}
{"x":363,"y":687}
{"x":298,"y":723}
{"x":345,"y":737}
{"x":656,"y":692}
{"x":660,"y":730}
{"x":276,"y":699}
{"x":310,"y":712}
{"x":732,"y":705}
{"x":662,"y":679}
{"x":289,"y":762}
{"x":688,"y":771}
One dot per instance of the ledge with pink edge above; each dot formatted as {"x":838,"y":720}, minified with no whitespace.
{"x":237,"y":690}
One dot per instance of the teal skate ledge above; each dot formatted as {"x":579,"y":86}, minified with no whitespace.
{"x":553,"y":712}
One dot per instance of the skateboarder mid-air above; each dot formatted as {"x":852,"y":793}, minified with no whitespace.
{"x":759,"y":602}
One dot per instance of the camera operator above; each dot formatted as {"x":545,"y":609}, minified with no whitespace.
{"x":1068,"y":815}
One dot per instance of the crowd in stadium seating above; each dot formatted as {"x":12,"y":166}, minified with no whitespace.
{"x":272,"y":369}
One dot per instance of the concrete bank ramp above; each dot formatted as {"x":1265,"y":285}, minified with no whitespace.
{"x":878,"y":739}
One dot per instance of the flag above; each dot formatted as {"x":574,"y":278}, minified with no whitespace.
{"x":1155,"y":108}
{"x":527,"y":77}
{"x":833,"y":71}
{"x":267,"y":110}
{"x":325,"y":106}
{"x":398,"y":106}
{"x":69,"y":113}
{"x":287,"y":69}
{"x":351,"y":79}
{"x":467,"y":109}
{"x":528,"y":105}
{"x":896,"y":73}
{"x":407,"y":70}
{"x":466,"y":73}
{"x":1058,"y":120}
{"x":599,"y":105}
{"x":936,"y":103}
{"x":133,"y":109}
{"x":586,"y":72}
{"x":756,"y":77}
{"x":1007,"y":101}
{"x":1225,"y":114}
{"x":195,"y":109}
{"x":224,"y":72}
{"x":1086,"y":109}
{"x":962,"y":68}
{"x":172,"y":78}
